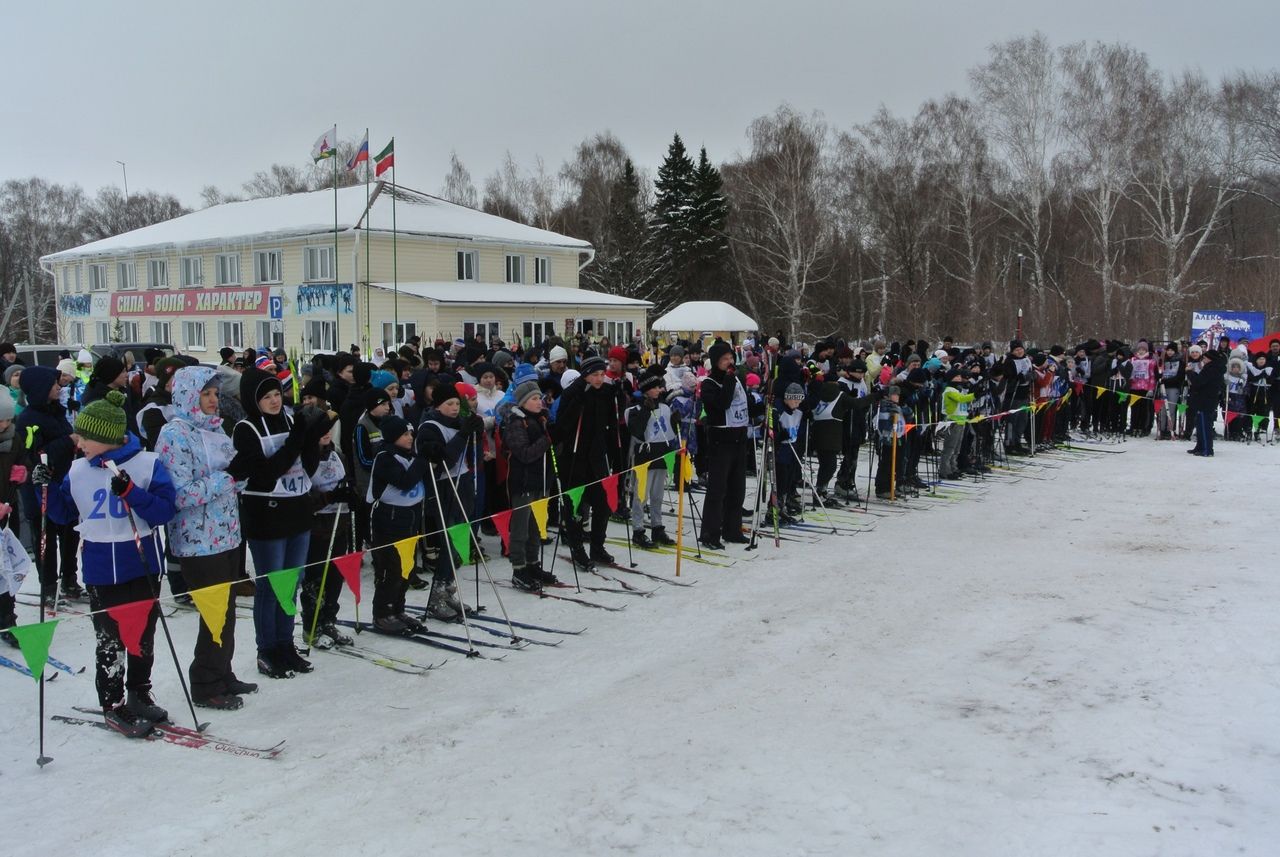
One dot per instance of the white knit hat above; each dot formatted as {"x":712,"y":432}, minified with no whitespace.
{"x":67,"y":367}
{"x":84,"y":357}
{"x":557,"y":353}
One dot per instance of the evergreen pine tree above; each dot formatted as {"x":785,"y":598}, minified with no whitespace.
{"x":673,"y":232}
{"x":627,"y":265}
{"x":709,"y":246}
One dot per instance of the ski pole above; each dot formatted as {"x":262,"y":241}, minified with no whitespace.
{"x":566,"y":514}
{"x":42,"y":759}
{"x":483,"y":563}
{"x":155,"y":593}
{"x":324,"y":576}
{"x":447,"y":547}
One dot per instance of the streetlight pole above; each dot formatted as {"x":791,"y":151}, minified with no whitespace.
{"x":125,"y":173}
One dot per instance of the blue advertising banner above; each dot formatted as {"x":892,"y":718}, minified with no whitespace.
{"x":1213,"y":324}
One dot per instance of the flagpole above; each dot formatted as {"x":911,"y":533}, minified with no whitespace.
{"x":337,"y":304}
{"x":367,"y":167}
{"x":395,"y":271}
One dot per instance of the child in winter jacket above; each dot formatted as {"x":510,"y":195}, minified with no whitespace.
{"x":789,"y":436}
{"x":330,"y":536}
{"x":1259,"y":393}
{"x":205,"y":532}
{"x":890,"y":429}
{"x":395,"y":496}
{"x":118,"y":512}
{"x":652,"y":436}
{"x":526,"y":443}
{"x":1237,"y":398}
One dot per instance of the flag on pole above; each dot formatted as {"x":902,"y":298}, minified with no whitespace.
{"x":361,"y":155}
{"x":325,"y":146}
{"x":385,"y":160}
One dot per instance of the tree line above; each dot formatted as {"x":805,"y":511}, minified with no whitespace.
{"x":1078,"y":183}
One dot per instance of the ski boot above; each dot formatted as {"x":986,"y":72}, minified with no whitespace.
{"x":526,"y":577}
{"x":438,"y":606}
{"x":545,"y":577}
{"x":580,"y":558}
{"x":142,"y":705}
{"x":411,"y":625}
{"x":640,"y":539}
{"x":121,"y":719}
{"x":661,"y":538}
{"x":600,"y":555}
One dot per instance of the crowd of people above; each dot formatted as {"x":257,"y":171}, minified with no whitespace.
{"x":121,"y":474}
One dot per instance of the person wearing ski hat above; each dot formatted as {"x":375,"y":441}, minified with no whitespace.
{"x":956,"y":399}
{"x":652,"y":436}
{"x":853,"y":382}
{"x":395,"y":494}
{"x":110,"y":373}
{"x":43,"y":429}
{"x":331,"y":496}
{"x":366,"y":439}
{"x":790,"y":429}
{"x":121,"y":550}
{"x":1206,"y":384}
{"x":727,"y":416}
{"x":13,"y":385}
{"x":526,"y":443}
{"x":204,"y":534}
{"x":1018,"y":380}
{"x":586,"y":436}
{"x":157,"y":408}
{"x":444,"y":440}
{"x":277,"y":456}
{"x":1173,"y":379}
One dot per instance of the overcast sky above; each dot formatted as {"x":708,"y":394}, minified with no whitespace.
{"x":196,"y":94}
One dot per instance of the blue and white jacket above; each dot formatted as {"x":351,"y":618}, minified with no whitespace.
{"x":110,"y":555}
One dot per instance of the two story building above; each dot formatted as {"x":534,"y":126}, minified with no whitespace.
{"x":274,"y":273}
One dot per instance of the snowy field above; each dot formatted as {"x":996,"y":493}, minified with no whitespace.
{"x":1081,"y":663}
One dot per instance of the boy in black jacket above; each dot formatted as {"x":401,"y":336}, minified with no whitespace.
{"x":526,"y":442}
{"x":395,"y":495}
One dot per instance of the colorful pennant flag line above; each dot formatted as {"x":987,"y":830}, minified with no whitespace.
{"x":214,"y":602}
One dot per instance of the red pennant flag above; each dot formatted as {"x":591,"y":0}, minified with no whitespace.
{"x":907,"y":427}
{"x":1158,"y":404}
{"x":610,"y":486}
{"x":349,"y":567}
{"x":1231,"y":415}
{"x":502,"y":521}
{"x":131,"y":619}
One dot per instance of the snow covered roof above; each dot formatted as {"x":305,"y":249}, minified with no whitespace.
{"x":299,"y":214}
{"x":704,"y":315}
{"x":511,"y":293}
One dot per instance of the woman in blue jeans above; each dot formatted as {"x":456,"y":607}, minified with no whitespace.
{"x":278,"y":457}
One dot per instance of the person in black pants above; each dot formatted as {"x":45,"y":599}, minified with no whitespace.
{"x":587,"y":438}
{"x":1206,"y":387}
{"x":725,"y":401}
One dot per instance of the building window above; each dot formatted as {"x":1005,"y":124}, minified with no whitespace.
{"x":104,"y":333}
{"x":468,"y":265}
{"x":536,"y":331}
{"x":192,"y":271}
{"x":157,"y":274}
{"x":515,"y":269}
{"x":128,"y":331}
{"x":71,"y":279}
{"x":97,"y":278}
{"x":270,"y":337}
{"x":228,"y":265}
{"x":485,"y":330}
{"x":620,"y":332}
{"x":193,"y":335}
{"x":322,"y":336}
{"x":541,"y":271}
{"x":77,"y":332}
{"x":231,"y":333}
{"x":66,"y":279}
{"x":126,"y":276}
{"x":268,"y":266}
{"x":318,"y":264}
{"x":403,"y":333}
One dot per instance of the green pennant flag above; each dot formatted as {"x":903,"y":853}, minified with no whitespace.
{"x":1257,"y":420}
{"x":284,"y":583}
{"x":34,"y":641}
{"x":669,"y":461}
{"x":460,"y":535}
{"x":1122,"y":396}
{"x":575,"y":496}
{"x":1182,"y":408}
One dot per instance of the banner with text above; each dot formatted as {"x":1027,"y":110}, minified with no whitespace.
{"x":198,"y":301}
{"x":1213,"y":324}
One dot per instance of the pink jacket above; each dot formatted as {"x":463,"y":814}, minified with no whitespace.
{"x":1144,"y":374}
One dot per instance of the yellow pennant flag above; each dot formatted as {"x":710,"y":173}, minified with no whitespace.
{"x":1100,"y":391}
{"x":1133,"y":399}
{"x":642,"y":477}
{"x":686,"y":467}
{"x":1065,"y":396}
{"x":979,"y":418}
{"x":211,"y":601}
{"x":539,"y":509}
{"x":406,"y":549}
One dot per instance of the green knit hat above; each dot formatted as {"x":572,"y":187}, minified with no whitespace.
{"x":103,"y":420}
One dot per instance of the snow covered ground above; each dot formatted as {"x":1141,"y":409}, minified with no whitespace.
{"x":1082,"y":663}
